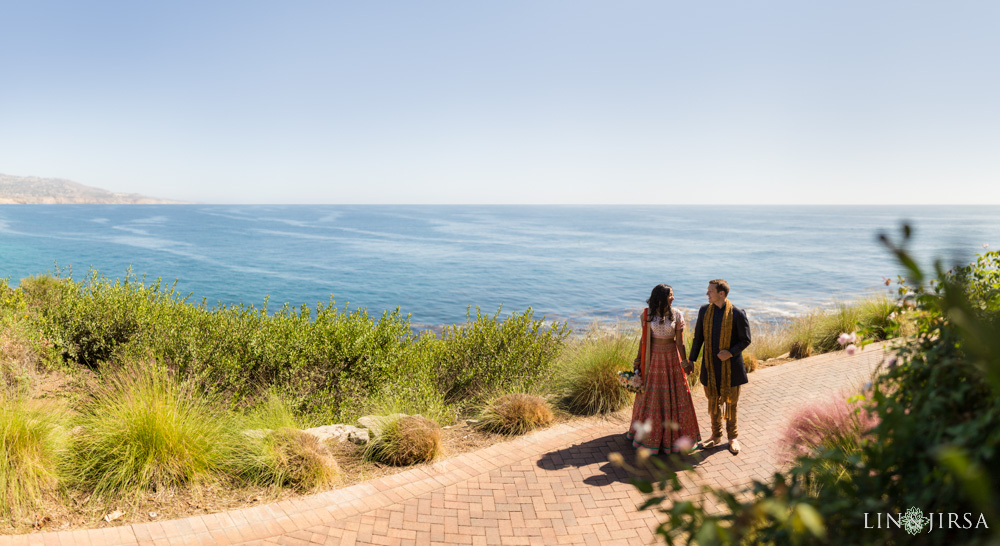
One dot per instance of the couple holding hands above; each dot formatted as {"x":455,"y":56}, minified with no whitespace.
{"x":663,"y":418}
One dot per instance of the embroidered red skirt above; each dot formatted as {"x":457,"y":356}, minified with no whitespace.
{"x":663,"y":411}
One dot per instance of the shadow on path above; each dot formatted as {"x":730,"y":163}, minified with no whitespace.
{"x":596,"y":451}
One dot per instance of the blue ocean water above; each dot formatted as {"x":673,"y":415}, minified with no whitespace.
{"x":574,"y":263}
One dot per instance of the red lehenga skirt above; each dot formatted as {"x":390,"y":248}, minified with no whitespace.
{"x":663,"y":411}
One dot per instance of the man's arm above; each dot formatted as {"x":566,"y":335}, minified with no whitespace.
{"x":741,"y":327}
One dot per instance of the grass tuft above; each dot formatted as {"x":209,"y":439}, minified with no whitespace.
{"x":835,"y":423}
{"x":144,"y":430}
{"x":405,"y":441}
{"x":31,"y":445}
{"x":295,"y":459}
{"x":770,"y":340}
{"x":515,"y":414}
{"x":588,"y":374}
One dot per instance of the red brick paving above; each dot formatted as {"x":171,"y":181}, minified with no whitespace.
{"x":553,"y":486}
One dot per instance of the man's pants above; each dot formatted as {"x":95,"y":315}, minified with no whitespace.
{"x":715,"y":411}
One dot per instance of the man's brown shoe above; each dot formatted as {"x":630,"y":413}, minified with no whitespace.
{"x":712,"y":442}
{"x":734,"y":446}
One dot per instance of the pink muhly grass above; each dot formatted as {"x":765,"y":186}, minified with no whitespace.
{"x":828,"y":424}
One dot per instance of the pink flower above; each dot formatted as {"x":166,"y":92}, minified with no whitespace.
{"x":843,"y":339}
{"x":684,"y":444}
{"x":887,"y":281}
{"x":851,"y":349}
{"x":986,"y":245}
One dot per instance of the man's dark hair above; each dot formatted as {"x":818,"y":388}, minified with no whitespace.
{"x":721,"y":284}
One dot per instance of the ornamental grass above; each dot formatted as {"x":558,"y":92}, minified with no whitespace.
{"x":405,"y":441}
{"x":770,"y":339}
{"x":31,"y":445}
{"x":588,"y":374}
{"x":144,"y":430}
{"x":298,"y":460}
{"x":836,"y":423}
{"x":515,"y":414}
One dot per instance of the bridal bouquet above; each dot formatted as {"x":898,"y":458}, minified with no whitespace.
{"x":631,"y":381}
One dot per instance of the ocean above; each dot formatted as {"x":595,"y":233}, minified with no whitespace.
{"x":579,"y":264}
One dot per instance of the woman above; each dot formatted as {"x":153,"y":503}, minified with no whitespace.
{"x":663,"y":411}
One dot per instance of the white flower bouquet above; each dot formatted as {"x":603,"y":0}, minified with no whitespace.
{"x":631,"y":381}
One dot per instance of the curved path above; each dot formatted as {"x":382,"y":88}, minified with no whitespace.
{"x":553,"y":486}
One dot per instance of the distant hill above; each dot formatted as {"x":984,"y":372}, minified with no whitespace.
{"x":27,"y":190}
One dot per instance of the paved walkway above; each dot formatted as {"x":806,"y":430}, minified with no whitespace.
{"x":551,"y":487}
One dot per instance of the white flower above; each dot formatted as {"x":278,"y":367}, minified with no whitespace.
{"x":684,"y":444}
{"x":986,"y":245}
{"x":851,"y":349}
{"x":843,"y":339}
{"x":642,"y":430}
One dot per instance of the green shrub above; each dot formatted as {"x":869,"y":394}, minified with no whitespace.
{"x":588,"y":373}
{"x":31,"y":446}
{"x":515,"y":414}
{"x":405,"y":441}
{"x":144,"y":430}
{"x":490,"y":354}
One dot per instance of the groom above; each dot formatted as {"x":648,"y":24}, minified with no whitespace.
{"x":725,"y":332}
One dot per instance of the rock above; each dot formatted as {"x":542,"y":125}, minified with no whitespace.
{"x":113,"y":516}
{"x":339,"y":433}
{"x":360,"y":437}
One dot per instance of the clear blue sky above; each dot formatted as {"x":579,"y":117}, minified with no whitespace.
{"x":533,"y":101}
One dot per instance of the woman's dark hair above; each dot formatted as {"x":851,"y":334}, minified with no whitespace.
{"x":659,"y":302}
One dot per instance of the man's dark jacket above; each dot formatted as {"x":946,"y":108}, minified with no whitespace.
{"x":738,"y":342}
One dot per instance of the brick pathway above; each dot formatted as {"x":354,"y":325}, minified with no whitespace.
{"x":553,"y":486}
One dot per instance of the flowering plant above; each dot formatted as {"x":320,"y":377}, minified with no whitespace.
{"x":631,"y":381}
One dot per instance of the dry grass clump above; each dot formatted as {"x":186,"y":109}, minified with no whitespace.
{"x":515,"y":414}
{"x":405,"y":441}
{"x":751,"y":362}
{"x":770,"y":339}
{"x":31,"y":445}
{"x":800,"y":349}
{"x":19,"y":361}
{"x":299,"y":460}
{"x":588,"y":374}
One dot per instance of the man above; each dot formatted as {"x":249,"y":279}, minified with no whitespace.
{"x":725,"y":332}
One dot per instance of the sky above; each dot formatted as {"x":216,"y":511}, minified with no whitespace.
{"x":536,"y":101}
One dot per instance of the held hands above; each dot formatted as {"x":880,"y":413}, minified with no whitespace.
{"x":687,"y":365}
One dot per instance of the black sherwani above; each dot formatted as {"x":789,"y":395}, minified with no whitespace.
{"x":738,"y":342}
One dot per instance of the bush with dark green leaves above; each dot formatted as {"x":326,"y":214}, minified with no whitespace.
{"x":493,"y":354}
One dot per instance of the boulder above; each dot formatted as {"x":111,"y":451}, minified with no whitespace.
{"x":360,"y":437}
{"x":339,"y":433}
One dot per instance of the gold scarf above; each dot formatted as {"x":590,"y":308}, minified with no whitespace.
{"x":724,"y":390}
